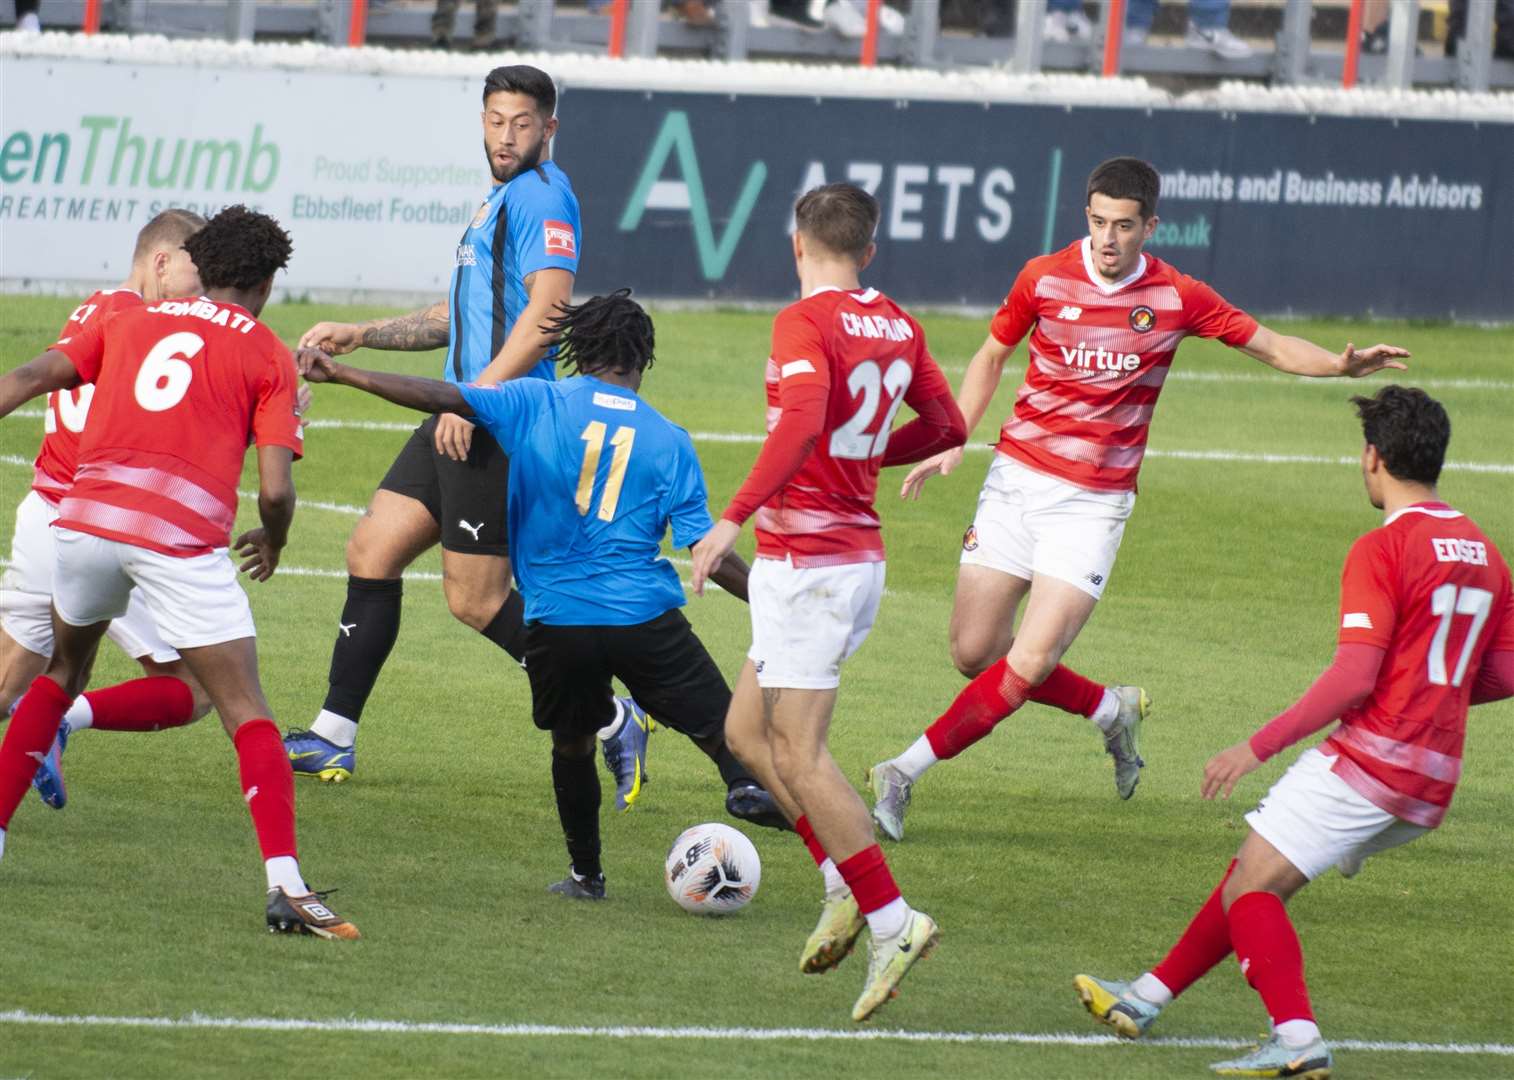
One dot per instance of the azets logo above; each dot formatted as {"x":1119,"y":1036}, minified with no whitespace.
{"x":1099,"y":359}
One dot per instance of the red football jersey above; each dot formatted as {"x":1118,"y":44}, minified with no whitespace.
{"x":1433,"y":591}
{"x":181,"y":389}
{"x":67,"y":410}
{"x":1099,"y":354}
{"x":871,"y":357}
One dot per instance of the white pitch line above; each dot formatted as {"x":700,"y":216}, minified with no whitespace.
{"x":198,"y":1022}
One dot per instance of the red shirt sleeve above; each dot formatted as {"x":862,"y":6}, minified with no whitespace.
{"x":1342,"y":686}
{"x":275,"y":383}
{"x":804,"y":390}
{"x":85,"y":349}
{"x":1368,"y":591}
{"x":1017,"y":314}
{"x":1502,"y":639}
{"x":939,"y":424}
{"x":1207,"y":314}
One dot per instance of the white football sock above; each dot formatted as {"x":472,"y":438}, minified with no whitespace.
{"x":890,"y":920}
{"x":914,"y":761}
{"x":1150,"y":988}
{"x":1297,"y":1033}
{"x":2,"y":843}
{"x":284,"y":873}
{"x":1108,"y":711}
{"x":610,"y":730}
{"x":835,"y":884}
{"x":80,"y":715}
{"x":337,"y":730}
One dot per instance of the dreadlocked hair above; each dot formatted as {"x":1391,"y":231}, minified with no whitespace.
{"x":239,"y":249}
{"x":604,"y":333}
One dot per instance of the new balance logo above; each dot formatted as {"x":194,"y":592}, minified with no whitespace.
{"x":472,"y":529}
{"x":250,"y":794}
{"x":346,"y":628}
{"x":1070,"y":313}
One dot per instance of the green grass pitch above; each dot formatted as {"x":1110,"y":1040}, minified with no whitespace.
{"x":144,"y":897}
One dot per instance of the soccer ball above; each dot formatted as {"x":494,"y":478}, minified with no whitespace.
{"x":712,"y":869}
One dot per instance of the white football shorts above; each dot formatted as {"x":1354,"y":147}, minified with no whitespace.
{"x":194,"y":601}
{"x":1030,"y":523}
{"x":26,"y":593}
{"x":1316,"y":819}
{"x":807,"y":619}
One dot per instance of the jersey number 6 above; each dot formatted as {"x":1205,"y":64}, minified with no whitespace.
{"x":163,"y":379}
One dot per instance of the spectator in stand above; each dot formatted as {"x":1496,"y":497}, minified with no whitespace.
{"x":26,"y":16}
{"x":1503,"y":27}
{"x":1208,"y":27}
{"x":1067,"y":23}
{"x":484,"y":12}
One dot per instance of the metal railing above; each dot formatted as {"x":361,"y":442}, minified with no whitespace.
{"x":639,"y":28}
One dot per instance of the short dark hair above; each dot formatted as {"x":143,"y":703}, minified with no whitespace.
{"x":535,"y":83}
{"x":604,"y":333}
{"x":840,"y":217}
{"x":1127,"y":178}
{"x":1409,"y":428}
{"x":170,"y":229}
{"x":239,"y":249}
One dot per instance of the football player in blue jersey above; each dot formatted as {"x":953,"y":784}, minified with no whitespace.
{"x":597,"y":476}
{"x":515,"y":263}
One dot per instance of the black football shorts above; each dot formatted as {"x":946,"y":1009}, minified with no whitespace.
{"x":467,"y":498}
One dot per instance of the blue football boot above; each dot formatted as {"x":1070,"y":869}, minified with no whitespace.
{"x":311,"y":755}
{"x":626,"y":754}
{"x":49,"y":776}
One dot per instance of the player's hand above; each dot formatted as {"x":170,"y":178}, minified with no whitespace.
{"x":304,"y":397}
{"x":711,"y":552}
{"x":317,"y":367}
{"x":337,"y":339}
{"x":1355,"y":364}
{"x":454,"y":436}
{"x":260,"y":557}
{"x":941,"y":464}
{"x":1227,"y":767}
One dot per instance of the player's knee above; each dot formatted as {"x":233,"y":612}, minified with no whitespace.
{"x":973,"y":655}
{"x":473,"y":610}
{"x":1033,"y":665}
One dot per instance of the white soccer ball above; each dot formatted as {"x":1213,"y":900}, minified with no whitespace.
{"x":712,"y":869}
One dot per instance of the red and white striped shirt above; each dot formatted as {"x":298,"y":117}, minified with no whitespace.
{"x":181,"y":389}
{"x":1099,"y":354}
{"x":1434,"y":592}
{"x":67,"y":410}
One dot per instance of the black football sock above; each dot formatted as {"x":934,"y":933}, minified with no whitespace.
{"x":732,"y":771}
{"x":369,"y":626}
{"x":576,"y":784}
{"x":508,"y":627}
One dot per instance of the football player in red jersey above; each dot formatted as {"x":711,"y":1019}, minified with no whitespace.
{"x":1426,"y":630}
{"x":844,"y":359}
{"x":1104,"y":321}
{"x":181,"y":389}
{"x":160,"y":269}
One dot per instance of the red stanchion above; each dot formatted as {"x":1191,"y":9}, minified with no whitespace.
{"x":91,"y":16}
{"x":619,"y":9}
{"x":1353,"y":44}
{"x":1114,"y":35}
{"x":870,"y":36}
{"x":357,"y":25}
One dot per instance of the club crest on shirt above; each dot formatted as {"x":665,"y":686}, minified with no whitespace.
{"x":970,"y":539}
{"x":1142,"y":319}
{"x":482,"y":215}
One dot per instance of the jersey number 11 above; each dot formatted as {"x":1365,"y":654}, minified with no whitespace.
{"x":594,"y":443}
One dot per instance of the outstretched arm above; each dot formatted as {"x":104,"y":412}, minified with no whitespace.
{"x":979,"y":385}
{"x":425,"y":395}
{"x":41,"y":375}
{"x":415,"y":331}
{"x":1295,"y":356}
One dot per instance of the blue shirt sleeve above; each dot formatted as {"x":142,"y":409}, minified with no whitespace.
{"x":505,"y":409}
{"x":688,"y":504}
{"x":544,"y":224}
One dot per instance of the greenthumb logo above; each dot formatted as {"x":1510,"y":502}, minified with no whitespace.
{"x":107,"y":151}
{"x":687,"y":194}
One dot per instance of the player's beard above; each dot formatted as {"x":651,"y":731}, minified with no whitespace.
{"x":524,"y":163}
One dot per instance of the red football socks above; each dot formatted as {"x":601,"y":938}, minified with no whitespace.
{"x":1267,"y":947}
{"x":267,"y":785}
{"x":980,"y":706}
{"x":1065,"y":689}
{"x":149,"y":704}
{"x":29,"y":737}
{"x":807,"y":833}
{"x":1205,"y":943}
{"x":867,"y":875}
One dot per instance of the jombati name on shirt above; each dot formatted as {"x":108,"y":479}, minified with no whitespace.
{"x":204,"y":309}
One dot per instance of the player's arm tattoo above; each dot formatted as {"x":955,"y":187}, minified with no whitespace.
{"x":415,"y":332}
{"x":770,"y":696}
